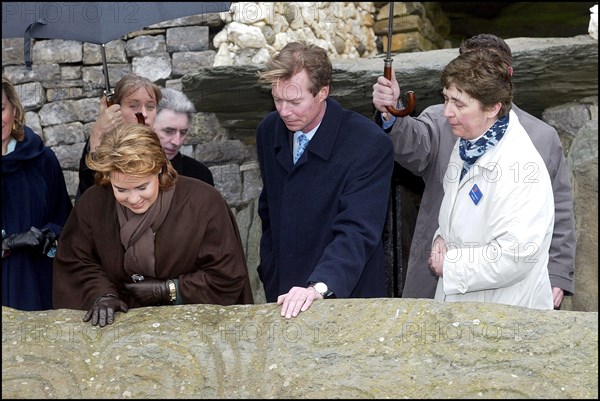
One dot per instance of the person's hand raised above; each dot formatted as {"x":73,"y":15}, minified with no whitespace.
{"x":108,"y":119}
{"x":386,"y":93}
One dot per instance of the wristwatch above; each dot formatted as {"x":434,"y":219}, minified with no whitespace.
{"x":172,"y":291}
{"x":322,"y":289}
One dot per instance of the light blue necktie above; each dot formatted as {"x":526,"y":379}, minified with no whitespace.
{"x":302,"y":142}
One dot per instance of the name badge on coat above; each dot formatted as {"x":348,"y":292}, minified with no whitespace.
{"x":475,"y":194}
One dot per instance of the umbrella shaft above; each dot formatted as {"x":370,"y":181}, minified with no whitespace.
{"x":390,"y":31}
{"x":105,"y":69}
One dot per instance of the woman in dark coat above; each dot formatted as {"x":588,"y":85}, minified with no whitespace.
{"x":35,"y":206}
{"x":145,"y":236}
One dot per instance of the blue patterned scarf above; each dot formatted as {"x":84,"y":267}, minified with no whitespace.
{"x":471,"y":151}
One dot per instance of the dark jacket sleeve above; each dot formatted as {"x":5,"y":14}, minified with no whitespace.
{"x":211,"y":268}
{"x":79,"y":274}
{"x":190,"y":167}
{"x":59,"y":203}
{"x":86,"y":175}
{"x":561,"y":265}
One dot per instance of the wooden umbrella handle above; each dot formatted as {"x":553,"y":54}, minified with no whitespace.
{"x":410,"y":105}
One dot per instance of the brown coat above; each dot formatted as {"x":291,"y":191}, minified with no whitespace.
{"x":198,"y":244}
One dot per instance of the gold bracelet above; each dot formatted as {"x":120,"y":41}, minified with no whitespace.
{"x":172,"y":290}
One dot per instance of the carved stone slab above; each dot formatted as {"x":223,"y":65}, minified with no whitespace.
{"x":378,"y":348}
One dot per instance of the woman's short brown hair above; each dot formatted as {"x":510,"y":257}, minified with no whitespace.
{"x":483,"y":75}
{"x":132,"y":149}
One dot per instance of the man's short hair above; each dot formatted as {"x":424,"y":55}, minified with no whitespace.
{"x":486,"y":41}
{"x":176,"y":101}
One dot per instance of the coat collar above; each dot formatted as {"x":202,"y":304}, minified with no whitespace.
{"x":29,"y":149}
{"x":322,"y":142}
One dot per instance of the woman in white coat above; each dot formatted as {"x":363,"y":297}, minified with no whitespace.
{"x":497,"y":215}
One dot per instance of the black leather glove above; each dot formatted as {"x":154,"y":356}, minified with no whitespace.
{"x":150,"y":292}
{"x":103,"y":310}
{"x":36,"y":239}
{"x":48,"y":241}
{"x":31,"y":238}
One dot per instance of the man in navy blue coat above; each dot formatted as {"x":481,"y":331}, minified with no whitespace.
{"x":322,"y":215}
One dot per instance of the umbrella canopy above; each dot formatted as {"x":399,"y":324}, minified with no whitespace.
{"x":93,"y":22}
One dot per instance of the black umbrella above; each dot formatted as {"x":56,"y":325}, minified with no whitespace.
{"x":93,"y":22}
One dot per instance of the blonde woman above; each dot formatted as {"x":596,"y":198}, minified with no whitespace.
{"x":146,"y":236}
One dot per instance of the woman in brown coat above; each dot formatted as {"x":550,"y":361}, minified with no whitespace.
{"x":146,"y":236}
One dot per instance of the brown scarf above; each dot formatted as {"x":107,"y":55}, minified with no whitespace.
{"x":137,"y":234}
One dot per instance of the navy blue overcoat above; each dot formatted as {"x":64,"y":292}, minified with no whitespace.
{"x":33,"y":194}
{"x":323,"y":218}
